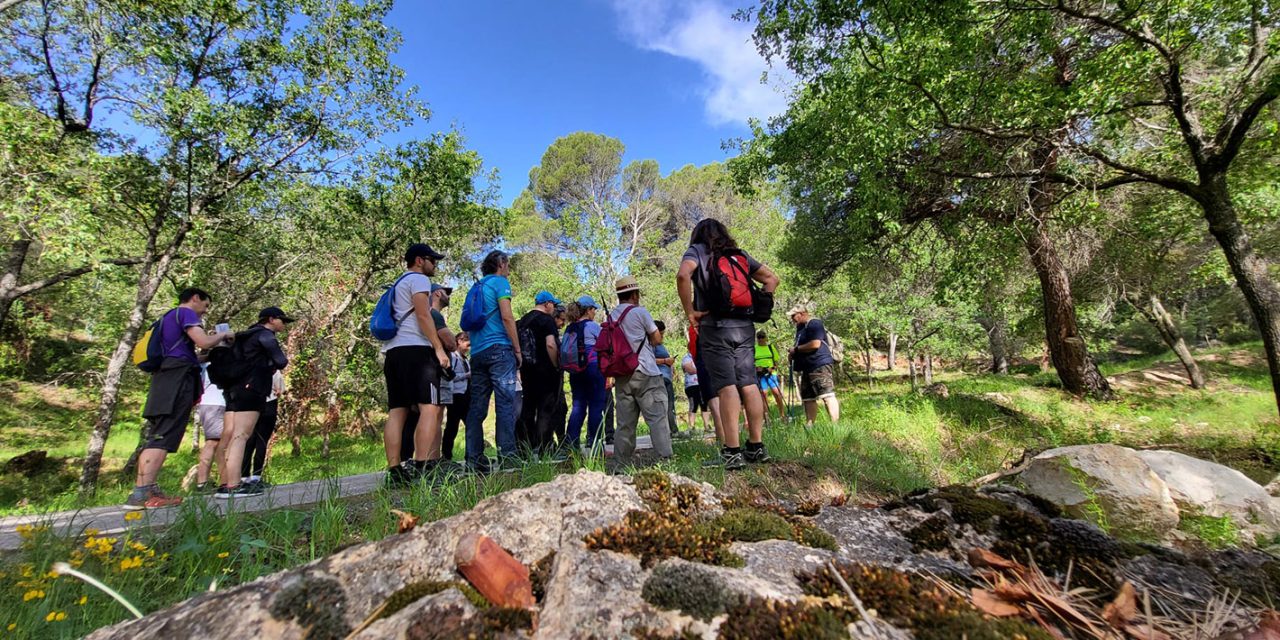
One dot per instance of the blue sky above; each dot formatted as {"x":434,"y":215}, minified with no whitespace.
{"x":671,"y":79}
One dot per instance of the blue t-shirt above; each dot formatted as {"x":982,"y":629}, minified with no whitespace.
{"x":660,"y":352}
{"x":493,"y":332}
{"x":812,"y":330}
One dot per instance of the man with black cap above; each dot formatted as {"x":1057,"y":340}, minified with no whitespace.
{"x":439,"y":301}
{"x":247,"y":400}
{"x":539,"y":374}
{"x":415,"y":361}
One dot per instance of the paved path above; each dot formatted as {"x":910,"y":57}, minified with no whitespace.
{"x":110,"y":520}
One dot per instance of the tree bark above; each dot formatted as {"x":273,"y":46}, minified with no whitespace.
{"x":1251,"y":270}
{"x":1167,"y":327}
{"x":928,"y":369}
{"x":13,"y":265}
{"x":155,"y":266}
{"x":997,"y":342}
{"x":911,"y":371}
{"x":893,"y":350}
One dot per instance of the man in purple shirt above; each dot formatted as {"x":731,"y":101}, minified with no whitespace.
{"x":175,"y":388}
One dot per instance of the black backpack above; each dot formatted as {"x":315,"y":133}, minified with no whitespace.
{"x":231,"y":366}
{"x":528,"y":344}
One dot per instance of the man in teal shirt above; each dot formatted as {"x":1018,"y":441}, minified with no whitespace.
{"x":495,"y":364}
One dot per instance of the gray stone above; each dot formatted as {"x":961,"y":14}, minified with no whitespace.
{"x":1104,"y":482}
{"x":1200,"y":486}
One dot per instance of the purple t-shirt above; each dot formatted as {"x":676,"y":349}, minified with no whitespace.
{"x":173,"y":334}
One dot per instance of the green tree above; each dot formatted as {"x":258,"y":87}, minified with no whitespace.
{"x":224,"y":96}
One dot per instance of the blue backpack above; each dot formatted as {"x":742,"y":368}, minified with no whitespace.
{"x":473,"y":313}
{"x":384,"y":324}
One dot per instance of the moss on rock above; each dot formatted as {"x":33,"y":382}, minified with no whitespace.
{"x":932,"y":534}
{"x":751,"y":525}
{"x":688,"y":588}
{"x":317,"y":603}
{"x":757,"y":618}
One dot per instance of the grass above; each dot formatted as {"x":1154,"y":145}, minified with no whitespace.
{"x":889,"y":441}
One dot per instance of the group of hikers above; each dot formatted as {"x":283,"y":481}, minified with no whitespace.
{"x":439,"y":379}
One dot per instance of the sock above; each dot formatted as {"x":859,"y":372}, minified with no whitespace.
{"x":753,"y":446}
{"x":733,"y":449}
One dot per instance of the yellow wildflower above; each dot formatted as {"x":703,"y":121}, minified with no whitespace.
{"x":82,"y":600}
{"x":137,"y":546}
{"x":51,"y":575}
{"x":130,"y":563}
{"x":55,"y":616}
{"x":214,"y":538}
{"x":223,"y":554}
{"x":91,"y":532}
{"x":12,"y":626}
{"x":133,"y":515}
{"x":34,"y":594}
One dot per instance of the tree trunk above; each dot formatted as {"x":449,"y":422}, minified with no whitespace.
{"x":154,"y":269}
{"x":911,"y":371}
{"x":1067,"y":349}
{"x":893,"y":350}
{"x":1252,"y":271}
{"x":928,"y":369}
{"x":997,"y":331}
{"x":13,"y":265}
{"x":1165,"y":325}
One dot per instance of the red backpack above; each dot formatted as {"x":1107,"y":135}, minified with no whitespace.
{"x":617,"y":358}
{"x":731,"y":293}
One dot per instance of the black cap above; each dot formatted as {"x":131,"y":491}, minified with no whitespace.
{"x":273,"y":312}
{"x":420,"y":250}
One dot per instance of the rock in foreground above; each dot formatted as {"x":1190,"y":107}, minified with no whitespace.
{"x":661,"y":557}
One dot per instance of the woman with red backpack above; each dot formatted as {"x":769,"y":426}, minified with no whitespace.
{"x":586,"y":383}
{"x":725,"y":292}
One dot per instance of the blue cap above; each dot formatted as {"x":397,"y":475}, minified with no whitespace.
{"x":587,"y":302}
{"x":545,"y":297}
{"x":448,"y":291}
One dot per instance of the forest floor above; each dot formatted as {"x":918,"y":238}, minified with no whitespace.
{"x":888,"y":441}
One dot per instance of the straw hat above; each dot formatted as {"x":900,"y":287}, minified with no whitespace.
{"x":625,"y":284}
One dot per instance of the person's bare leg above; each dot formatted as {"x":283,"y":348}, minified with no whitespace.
{"x":149,"y":463}
{"x":207,"y":452}
{"x":833,"y":408}
{"x":777,"y":397}
{"x":426,"y":437}
{"x":714,"y":403}
{"x":810,"y":412}
{"x":392,"y":433}
{"x":755,"y":406}
{"x":708,"y":423}
{"x":241,"y":423}
{"x":691,"y":419}
{"x":730,"y":414}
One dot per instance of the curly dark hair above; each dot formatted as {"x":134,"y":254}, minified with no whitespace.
{"x":713,"y":234}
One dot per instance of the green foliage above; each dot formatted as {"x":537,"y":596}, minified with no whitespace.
{"x":1217,"y":532}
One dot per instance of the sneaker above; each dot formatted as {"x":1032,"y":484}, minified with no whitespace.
{"x":717,"y":461}
{"x":227,"y":492}
{"x":202,"y":488}
{"x":249,"y":489}
{"x":397,"y":477}
{"x":756,"y":455}
{"x":481,"y":467}
{"x":733,"y":460}
{"x":149,"y":498}
{"x":450,"y":468}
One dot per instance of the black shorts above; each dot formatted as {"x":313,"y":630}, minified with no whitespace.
{"x":245,"y":399}
{"x":730,"y":357}
{"x":697,"y":401}
{"x":413,"y":377}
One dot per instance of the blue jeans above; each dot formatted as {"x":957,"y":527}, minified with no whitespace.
{"x":492,"y":370}
{"x":589,"y":396}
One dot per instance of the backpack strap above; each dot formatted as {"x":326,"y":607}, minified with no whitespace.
{"x":164,"y":349}
{"x":640,"y":344}
{"x":393,"y":300}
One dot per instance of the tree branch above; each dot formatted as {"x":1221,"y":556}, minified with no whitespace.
{"x":1235,"y":130}
{"x":18,"y":292}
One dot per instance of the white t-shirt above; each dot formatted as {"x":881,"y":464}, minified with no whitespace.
{"x":212,"y":395}
{"x":408,"y":334}
{"x":690,"y":379}
{"x":277,"y":382}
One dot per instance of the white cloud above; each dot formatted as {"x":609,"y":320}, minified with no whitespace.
{"x":705,"y":32}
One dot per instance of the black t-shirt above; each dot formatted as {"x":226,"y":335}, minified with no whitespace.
{"x":540,"y":325}
{"x":812,"y":330}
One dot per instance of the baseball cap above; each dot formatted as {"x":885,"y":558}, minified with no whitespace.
{"x":448,"y":291}
{"x":545,"y":297}
{"x":273,"y":312}
{"x":587,"y":302}
{"x":420,"y":250}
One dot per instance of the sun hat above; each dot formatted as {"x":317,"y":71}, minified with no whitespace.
{"x":626,"y":284}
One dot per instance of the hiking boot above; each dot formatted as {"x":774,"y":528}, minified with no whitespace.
{"x":733,"y":460}
{"x":756,"y":455}
{"x":716,"y":461}
{"x":149,"y":498}
{"x":481,"y":467}
{"x":397,"y":477}
{"x":247,"y":489}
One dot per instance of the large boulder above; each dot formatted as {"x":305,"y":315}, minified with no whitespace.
{"x":1107,"y":484}
{"x":1208,"y":488}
